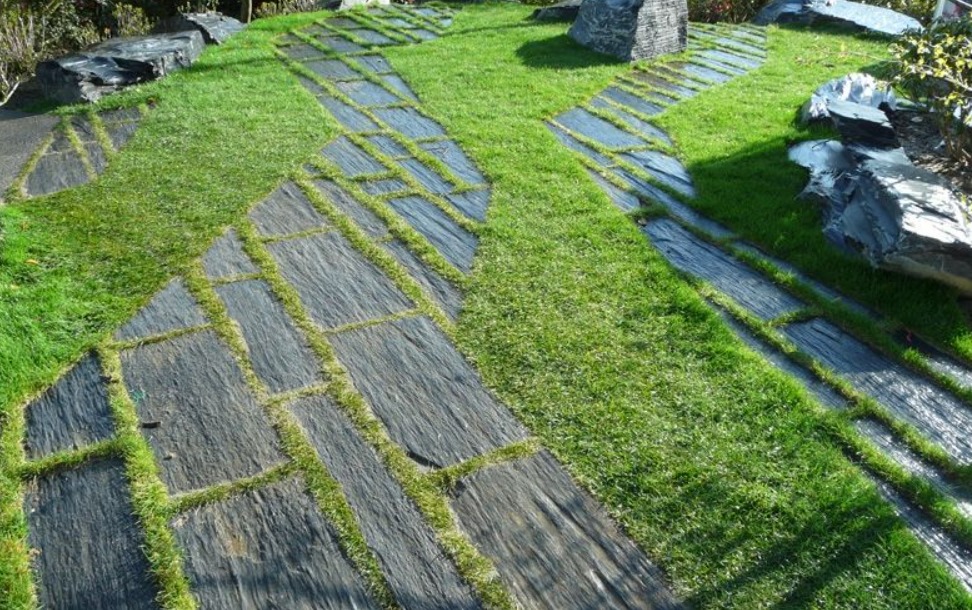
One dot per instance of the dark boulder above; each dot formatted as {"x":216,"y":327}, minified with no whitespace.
{"x":216,"y":28}
{"x":858,"y":88}
{"x":632,"y":30}
{"x":864,"y":125}
{"x":874,"y":19}
{"x":562,"y":11}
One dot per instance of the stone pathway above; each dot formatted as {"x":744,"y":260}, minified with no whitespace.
{"x":915,"y":416}
{"x":290,"y":424}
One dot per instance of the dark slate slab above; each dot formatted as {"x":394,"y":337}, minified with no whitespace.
{"x":729,"y":69}
{"x":423,"y":35}
{"x":286,"y":211}
{"x":22,"y":136}
{"x":452,"y":155}
{"x":444,"y":293}
{"x":862,"y":124}
{"x":937,"y":359}
{"x":586,"y":124}
{"x":702,"y":73}
{"x":268,"y":548}
{"x":303,"y":51}
{"x":427,"y":12}
{"x":351,"y":159}
{"x":367,"y":93}
{"x":340,"y":45}
{"x":662,"y":84}
{"x":623,"y":199}
{"x":384,"y":187}
{"x":88,"y":544}
{"x":336,"y":284}
{"x":331,"y":69}
{"x":362,"y":216}
{"x":553,"y":545}
{"x":876,"y":19}
{"x":374,"y":63}
{"x":430,"y":399}
{"x":226,"y":258}
{"x":644,"y":128}
{"x":215,"y":27}
{"x":471,"y":203}
{"x":343,"y":22}
{"x":418,"y":571}
{"x":71,"y":414}
{"x":372,"y":37}
{"x":701,"y":259}
{"x":667,"y":170}
{"x":278,"y":351}
{"x":121,"y":133}
{"x":171,"y":309}
{"x":746,"y":48}
{"x":389,"y":146}
{"x":398,"y":84}
{"x":311,"y":86}
{"x":456,"y":245}
{"x":409,"y":122}
{"x":83,"y":128}
{"x":675,"y":207}
{"x":348,"y":116}
{"x":426,"y":176}
{"x":937,"y":414}
{"x":735,"y":60}
{"x":660,"y":98}
{"x":96,"y":155}
{"x":56,"y":172}
{"x":570,"y":142}
{"x":631,"y":101}
{"x":197,"y":412}
{"x":61,"y":143}
{"x":399,"y":23}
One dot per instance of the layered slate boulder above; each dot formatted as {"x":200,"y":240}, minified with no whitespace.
{"x":566,"y":10}
{"x":858,"y":88}
{"x":632,"y":30}
{"x":215,"y":28}
{"x":117,"y":63}
{"x":874,"y":19}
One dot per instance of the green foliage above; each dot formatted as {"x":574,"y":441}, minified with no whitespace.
{"x":731,"y":11}
{"x":129,"y":20}
{"x":922,"y":10}
{"x":285,"y":7}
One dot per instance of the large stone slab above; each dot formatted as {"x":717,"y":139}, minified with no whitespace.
{"x":88,"y":544}
{"x":874,"y":19}
{"x":20,"y":136}
{"x":215,"y":28}
{"x":55,"y":172}
{"x":643,"y":128}
{"x":456,"y":245}
{"x":856,"y":87}
{"x":286,"y":211}
{"x":430,"y":399}
{"x":366,"y":220}
{"x":426,"y":176}
{"x":553,"y":545}
{"x":452,"y":155}
{"x":367,"y":93}
{"x":197,"y":412}
{"x":409,"y":122}
{"x":348,"y":116}
{"x":862,"y":124}
{"x":173,"y":308}
{"x":444,"y":293}
{"x":336,"y":284}
{"x":268,"y":548}
{"x":667,"y":170}
{"x":71,"y":414}
{"x":595,"y":128}
{"x":226,"y":258}
{"x":351,"y":159}
{"x":632,"y":30}
{"x":418,"y":570}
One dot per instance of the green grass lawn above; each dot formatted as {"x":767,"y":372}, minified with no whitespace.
{"x":721,"y":468}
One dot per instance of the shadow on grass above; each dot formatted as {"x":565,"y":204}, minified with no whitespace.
{"x":560,"y":52}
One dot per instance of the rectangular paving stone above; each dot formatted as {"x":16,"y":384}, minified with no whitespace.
{"x":286,"y":211}
{"x":423,"y":34}
{"x":398,"y":84}
{"x":96,"y":155}
{"x":331,"y":69}
{"x":302,"y":52}
{"x":120,"y":115}
{"x":23,"y":135}
{"x":644,"y":128}
{"x":362,"y":216}
{"x":400,"y":23}
{"x":691,"y":255}
{"x":457,"y":245}
{"x":733,"y":71}
{"x":226,"y":259}
{"x":426,"y":176}
{"x":173,"y":308}
{"x":701,"y":73}
{"x":340,"y":45}
{"x":121,"y":133}
{"x":444,"y":293}
{"x":631,"y":101}
{"x":371,"y":36}
{"x":281,"y":357}
{"x":336,"y":284}
{"x":72,"y":414}
{"x":343,"y":22}
{"x":452,"y":155}
{"x":552,"y":544}
{"x":938,"y":360}
{"x":735,"y":60}
{"x":351,"y":159}
{"x":586,"y":124}
{"x":570,"y":142}
{"x":675,"y":207}
{"x":662,"y":84}
{"x":389,"y":146}
{"x":197,"y":412}
{"x":348,"y":116}
{"x":311,"y":86}
{"x":430,"y":399}
{"x":56,"y":172}
{"x":471,"y":203}
{"x":83,"y":128}
{"x":88,"y":544}
{"x":268,"y":548}
{"x":384,"y":187}
{"x":625,"y":201}
{"x":367,"y":93}
{"x":666,"y":169}
{"x":937,"y":414}
{"x":418,"y":571}
{"x":374,"y":63}
{"x":409,"y":122}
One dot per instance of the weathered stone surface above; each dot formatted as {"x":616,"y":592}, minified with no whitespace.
{"x":226,"y":259}
{"x":566,"y":10}
{"x":398,"y":84}
{"x":362,"y":216}
{"x":384,"y":187}
{"x":121,"y":133}
{"x":302,"y":51}
{"x":348,"y":116}
{"x":198,"y":414}
{"x":456,"y":245}
{"x":336,"y":284}
{"x":71,"y":414}
{"x":171,"y":309}
{"x":96,"y":155}
{"x":280,"y":355}
{"x":471,"y":203}
{"x":732,"y":59}
{"x":409,"y":122}
{"x":570,"y":142}
{"x":444,"y":293}
{"x":331,"y":69}
{"x":426,"y":176}
{"x":374,"y":63}
{"x":56,"y":171}
{"x":430,"y":399}
{"x":351,"y":159}
{"x":116,"y":63}
{"x":586,"y":124}
{"x":874,"y":19}
{"x":677,"y":209}
{"x":286,"y":211}
{"x":644,"y":128}
{"x":632,"y":30}
{"x":372,"y":37}
{"x":939,"y":415}
{"x":857,"y":88}
{"x":340,"y":45}
{"x":677,"y":88}
{"x":665,"y":169}
{"x":423,"y":35}
{"x":862,"y":125}
{"x":452,"y":155}
{"x":88,"y":543}
{"x":625,"y":201}
{"x":696,"y":257}
{"x":366,"y":93}
{"x":268,"y":548}
{"x":418,"y":571}
{"x":215,"y":28}
{"x":20,"y":136}
{"x":631,"y":101}
{"x":389,"y":146}
{"x":553,"y":545}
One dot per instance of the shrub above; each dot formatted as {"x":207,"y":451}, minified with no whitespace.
{"x":732,"y":11}
{"x":23,"y":45}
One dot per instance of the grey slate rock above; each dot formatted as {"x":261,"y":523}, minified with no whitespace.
{"x":456,"y":245}
{"x":121,"y":133}
{"x":873,"y":19}
{"x":207,"y":428}
{"x":632,"y":30}
{"x":56,"y":172}
{"x":631,"y":101}
{"x":553,"y":545}
{"x":374,"y":63}
{"x":384,"y":187}
{"x":566,"y":10}
{"x":624,"y":200}
{"x":675,"y":207}
{"x":430,"y":399}
{"x":570,"y":142}
{"x":351,"y":159}
{"x":705,"y":74}
{"x":426,"y":176}
{"x":173,"y":308}
{"x":418,"y":571}
{"x":715,"y":64}
{"x":389,"y":146}
{"x":367,"y":93}
{"x":268,"y":548}
{"x":423,"y":35}
{"x":20,"y":136}
{"x":678,"y":88}
{"x":362,"y":216}
{"x":857,"y":88}
{"x":444,"y":293}
{"x":331,"y":69}
{"x":409,"y":122}
{"x":302,"y":52}
{"x":665,"y":169}
{"x":471,"y":203}
{"x":862,"y":125}
{"x":735,"y":60}
{"x":226,"y":258}
{"x":372,"y":37}
{"x":286,"y":211}
{"x":398,"y":84}
{"x":452,"y":155}
{"x":586,"y":124}
{"x":336,"y":284}
{"x":89,"y":546}
{"x":96,"y":155}
{"x":340,"y":45}
{"x":71,"y":414}
{"x":215,"y":28}
{"x":280,"y":355}
{"x":644,"y":128}
{"x":348,"y":116}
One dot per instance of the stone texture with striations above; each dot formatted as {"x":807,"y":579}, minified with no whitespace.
{"x":632,"y":30}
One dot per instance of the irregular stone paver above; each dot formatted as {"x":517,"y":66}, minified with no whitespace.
{"x":387,"y":145}
{"x":426,"y":176}
{"x":268,"y":548}
{"x":206,"y":428}
{"x":570,"y":142}
{"x":457,"y":245}
{"x":367,"y":93}
{"x":455,"y":159}
{"x":625,"y":200}
{"x":643,"y":128}
{"x":397,"y":83}
{"x":56,"y":172}
{"x":631,"y":101}
{"x":447,"y":295}
{"x":663,"y":168}
{"x":341,"y":45}
{"x":384,"y":187}
{"x":552,"y":544}
{"x":22,"y":135}
{"x":374,"y":63}
{"x":676,"y":208}
{"x":348,"y":116}
{"x":432,"y":402}
{"x":88,"y":543}
{"x":362,"y":216}
{"x":351,"y":159}
{"x":418,"y":570}
{"x":331,"y":69}
{"x":301,"y":52}
{"x":471,"y":203}
{"x":286,"y":211}
{"x":409,"y":122}
{"x":226,"y":259}
{"x":595,"y":128}
{"x":171,"y":309}
{"x":372,"y":37}
{"x":71,"y":414}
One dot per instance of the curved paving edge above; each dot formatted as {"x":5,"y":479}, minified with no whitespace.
{"x":297,"y":406}
{"x":631,"y":159}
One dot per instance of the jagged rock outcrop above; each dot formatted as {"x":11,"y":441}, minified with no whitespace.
{"x":858,"y":88}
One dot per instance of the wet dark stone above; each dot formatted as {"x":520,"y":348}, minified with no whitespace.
{"x":732,"y":59}
{"x":72,"y":414}
{"x":665,"y":169}
{"x":88,"y":543}
{"x":372,"y":37}
{"x":121,"y":133}
{"x":409,"y":122}
{"x":389,"y":146}
{"x":570,"y":142}
{"x":398,"y":84}
{"x":226,"y":259}
{"x":562,"y":11}
{"x":374,"y":63}
{"x":55,"y":172}
{"x":215,"y":27}
{"x":384,"y":187}
{"x":631,"y":101}
{"x":456,"y":245}
{"x":348,"y":116}
{"x":623,"y":199}
{"x":553,"y":545}
{"x":471,"y":203}
{"x":362,"y":216}
{"x":862,"y":125}
{"x":351,"y":159}
{"x":336,"y":284}
{"x":340,"y":45}
{"x":696,"y":257}
{"x":644,"y":128}
{"x":418,"y":571}
{"x":586,"y":124}
{"x":366,"y":93}
{"x":937,"y":414}
{"x":210,"y":428}
{"x":286,"y":211}
{"x":331,"y":69}
{"x":430,"y":399}
{"x":444,"y":293}
{"x":280,"y":355}
{"x":268,"y":548}
{"x":426,"y":176}
{"x":303,"y":51}
{"x":171,"y":309}
{"x":452,"y":155}
{"x":22,"y":136}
